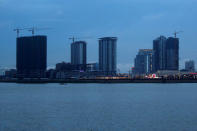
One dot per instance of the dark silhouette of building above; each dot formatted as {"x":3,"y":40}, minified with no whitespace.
{"x":64,"y":67}
{"x":78,"y":55}
{"x":143,"y":62}
{"x":165,"y":53}
{"x":31,"y":56}
{"x":172,"y":53}
{"x":159,"y":56}
{"x":107,"y":55}
{"x":10,"y":73}
{"x":190,"y":66}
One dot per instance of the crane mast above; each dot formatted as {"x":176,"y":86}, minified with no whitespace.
{"x":177,"y":32}
{"x":18,"y":31}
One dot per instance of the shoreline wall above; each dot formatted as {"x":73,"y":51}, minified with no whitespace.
{"x":104,"y":81}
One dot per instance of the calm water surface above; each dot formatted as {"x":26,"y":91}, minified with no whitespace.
{"x":101,"y":107}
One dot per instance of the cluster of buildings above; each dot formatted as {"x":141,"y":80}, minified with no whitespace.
{"x":162,"y":58}
{"x":31,"y":59}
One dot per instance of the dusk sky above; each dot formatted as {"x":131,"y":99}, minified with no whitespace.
{"x":135,"y":22}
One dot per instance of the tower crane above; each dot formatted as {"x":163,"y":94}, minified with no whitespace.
{"x":33,"y":29}
{"x":75,"y":38}
{"x":18,"y":30}
{"x":177,"y":32}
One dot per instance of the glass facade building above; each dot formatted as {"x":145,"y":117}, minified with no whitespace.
{"x":143,"y":62}
{"x":107,"y":55}
{"x":78,"y":55}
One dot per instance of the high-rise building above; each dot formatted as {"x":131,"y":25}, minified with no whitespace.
{"x":78,"y":55}
{"x":165,"y":53}
{"x":107,"y":55}
{"x":143,"y":62}
{"x":159,"y":56}
{"x":172,"y":53}
{"x":190,"y":66}
{"x":31,"y":56}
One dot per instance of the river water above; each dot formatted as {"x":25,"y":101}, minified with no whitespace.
{"x":98,"y":107}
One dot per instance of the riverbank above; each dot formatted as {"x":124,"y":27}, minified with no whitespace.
{"x":102,"y":81}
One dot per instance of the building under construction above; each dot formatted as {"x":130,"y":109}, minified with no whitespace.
{"x":31,"y":56}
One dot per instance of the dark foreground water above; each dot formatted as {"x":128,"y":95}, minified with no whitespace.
{"x":98,"y":107}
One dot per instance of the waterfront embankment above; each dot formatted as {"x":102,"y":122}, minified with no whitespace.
{"x":101,"y":81}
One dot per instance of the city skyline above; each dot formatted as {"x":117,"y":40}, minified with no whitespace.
{"x":134,"y":27}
